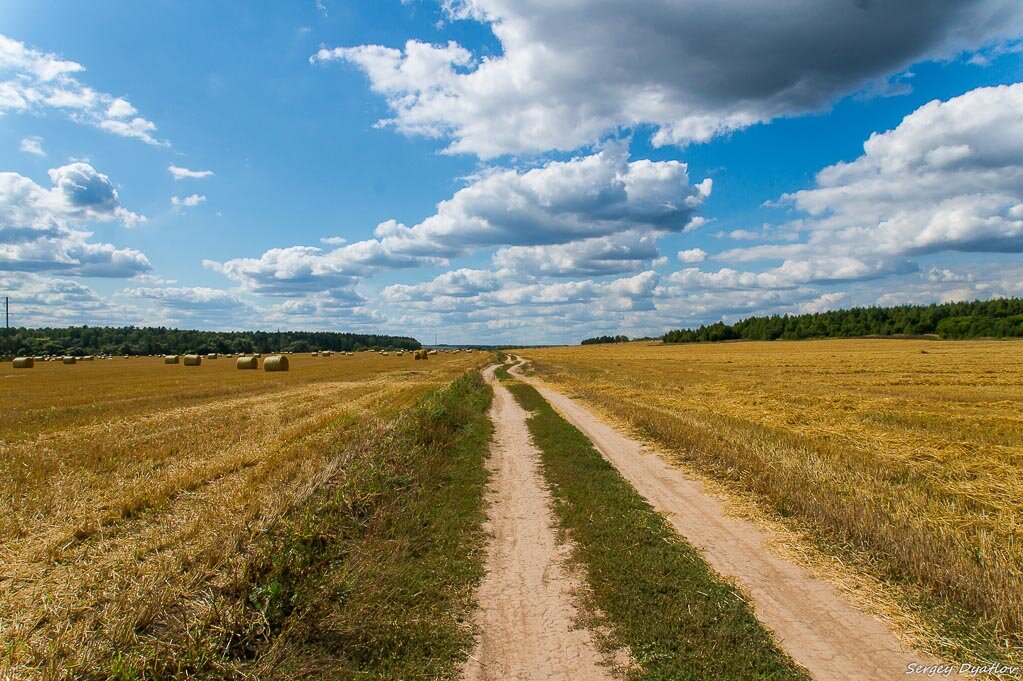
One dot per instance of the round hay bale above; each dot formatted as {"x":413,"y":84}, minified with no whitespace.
{"x":212,"y":355}
{"x":247,"y":363}
{"x":23,"y":363}
{"x":193,"y":360}
{"x":170,"y":359}
{"x":256,"y":354}
{"x":275,"y":363}
{"x":88,"y":358}
{"x":69,"y":360}
{"x":314,"y":354}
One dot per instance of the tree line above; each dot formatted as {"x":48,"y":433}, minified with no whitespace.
{"x":605,"y":339}
{"x":1000,"y":318}
{"x":132,"y":340}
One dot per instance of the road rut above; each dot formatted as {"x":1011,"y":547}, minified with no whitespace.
{"x":808,"y":617}
{"x":527,"y":616}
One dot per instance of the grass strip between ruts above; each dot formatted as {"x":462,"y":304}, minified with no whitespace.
{"x":647,"y":586}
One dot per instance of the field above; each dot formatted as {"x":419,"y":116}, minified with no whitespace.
{"x":903,"y":458}
{"x":131,"y":492}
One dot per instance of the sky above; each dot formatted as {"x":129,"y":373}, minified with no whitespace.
{"x":505,"y":171}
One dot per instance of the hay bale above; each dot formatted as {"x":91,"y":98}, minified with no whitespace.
{"x":431,"y":352}
{"x":314,"y":354}
{"x":88,"y":358}
{"x":69,"y":360}
{"x":383,"y":353}
{"x":256,"y":354}
{"x":275,"y":363}
{"x":193,"y":360}
{"x":247,"y":363}
{"x":23,"y":363}
{"x":212,"y":355}
{"x":170,"y":359}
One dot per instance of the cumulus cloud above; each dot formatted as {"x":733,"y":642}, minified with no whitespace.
{"x":948,"y":178}
{"x":692,"y":256}
{"x":180,"y":173}
{"x":608,"y":206}
{"x":32,"y":145}
{"x":41,"y":229}
{"x":43,"y":300}
{"x":616,"y":254}
{"x":190,"y":201}
{"x":693,"y":69}
{"x":823,"y":303}
{"x":33,"y":81}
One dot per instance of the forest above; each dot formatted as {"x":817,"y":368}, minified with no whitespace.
{"x":598,"y":340}
{"x":132,"y":340}
{"x":999,"y":318}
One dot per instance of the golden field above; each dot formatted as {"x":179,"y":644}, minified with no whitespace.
{"x":129,"y":488}
{"x":905,"y":455}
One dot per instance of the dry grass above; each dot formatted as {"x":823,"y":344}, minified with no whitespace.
{"x":126,"y":486}
{"x":904,"y":456}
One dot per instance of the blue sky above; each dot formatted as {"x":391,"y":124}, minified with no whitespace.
{"x":538,"y":170}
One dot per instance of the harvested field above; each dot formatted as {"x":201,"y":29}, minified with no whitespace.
{"x":901,"y":457}
{"x":131,"y":490}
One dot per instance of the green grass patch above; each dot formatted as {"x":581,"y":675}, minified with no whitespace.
{"x":374,"y":577}
{"x":653,"y":591}
{"x":501,"y":372}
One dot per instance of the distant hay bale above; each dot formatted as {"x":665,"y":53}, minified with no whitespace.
{"x":256,"y":354}
{"x":247,"y":363}
{"x":431,"y":352}
{"x":420,"y":354}
{"x":275,"y":363}
{"x":314,"y":354}
{"x":212,"y":355}
{"x":69,"y":360}
{"x":23,"y":363}
{"x":88,"y":358}
{"x":383,"y":352}
{"x":170,"y":359}
{"x":193,"y":360}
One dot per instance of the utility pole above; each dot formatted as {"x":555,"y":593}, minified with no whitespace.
{"x":7,"y":323}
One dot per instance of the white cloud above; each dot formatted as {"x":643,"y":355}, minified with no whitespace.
{"x":823,"y":303}
{"x":692,"y":256}
{"x":948,"y":178}
{"x":33,"y":81}
{"x":32,"y":145}
{"x":42,"y":300}
{"x":601,"y":202}
{"x":189,"y":201}
{"x":616,"y":254}
{"x":41,"y":229}
{"x":693,"y":69}
{"x":180,"y":173}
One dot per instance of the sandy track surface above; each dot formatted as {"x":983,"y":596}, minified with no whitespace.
{"x":527,"y":617}
{"x":810,"y":620}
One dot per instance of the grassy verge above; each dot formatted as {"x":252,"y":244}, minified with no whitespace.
{"x":654,"y":592}
{"x":373,"y":576}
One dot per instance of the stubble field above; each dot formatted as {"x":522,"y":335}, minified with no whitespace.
{"x":903,"y":457}
{"x":130,"y":490}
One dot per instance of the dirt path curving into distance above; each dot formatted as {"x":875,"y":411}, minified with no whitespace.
{"x":810,"y":620}
{"x":527,"y":616}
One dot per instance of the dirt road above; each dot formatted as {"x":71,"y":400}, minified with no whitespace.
{"x":810,"y":620}
{"x":527,"y":619}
